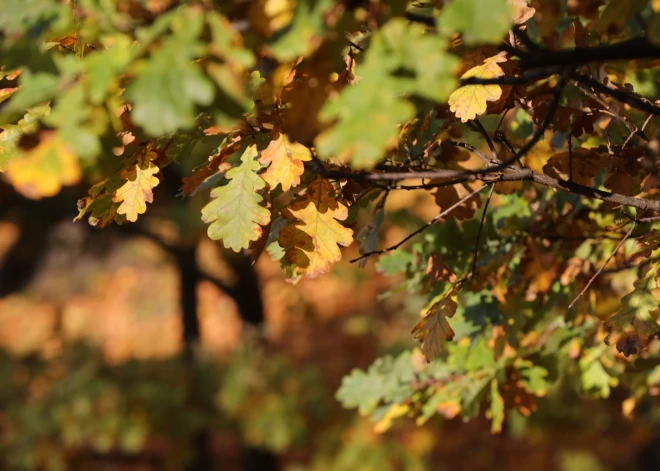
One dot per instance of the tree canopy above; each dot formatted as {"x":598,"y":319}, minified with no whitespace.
{"x":532,"y":127}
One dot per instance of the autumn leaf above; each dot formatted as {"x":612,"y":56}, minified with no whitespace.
{"x":434,"y":329}
{"x":632,"y":328}
{"x":285,"y":160}
{"x":11,"y":133}
{"x":471,"y":100}
{"x":45,"y":169}
{"x":582,"y":167}
{"x":313,"y":235}
{"x":235,"y":213}
{"x":496,"y":410}
{"x":447,"y":196}
{"x":137,"y":191}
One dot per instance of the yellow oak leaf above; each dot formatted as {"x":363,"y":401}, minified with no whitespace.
{"x":137,"y":191}
{"x":286,"y":162}
{"x":44,"y":169}
{"x":471,"y":100}
{"x":434,"y":329}
{"x":312,"y":237}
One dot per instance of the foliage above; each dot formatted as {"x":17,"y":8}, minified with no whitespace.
{"x":312,"y":114}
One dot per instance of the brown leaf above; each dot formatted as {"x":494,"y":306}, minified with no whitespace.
{"x":586,"y":164}
{"x":447,"y":196}
{"x":434,"y":329}
{"x":437,"y":271}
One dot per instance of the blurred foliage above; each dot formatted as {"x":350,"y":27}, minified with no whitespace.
{"x":525,"y":261}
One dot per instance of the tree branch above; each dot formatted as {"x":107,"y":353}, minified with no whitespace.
{"x":421,"y":228}
{"x":473,"y":270}
{"x":630,"y":99}
{"x":616,"y":249}
{"x":636,"y":48}
{"x":512,"y":175}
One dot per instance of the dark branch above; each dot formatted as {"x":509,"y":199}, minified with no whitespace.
{"x":636,"y":48}
{"x":625,"y":97}
{"x":475,"y":256}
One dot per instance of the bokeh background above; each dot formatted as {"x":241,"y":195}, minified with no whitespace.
{"x":148,"y":347}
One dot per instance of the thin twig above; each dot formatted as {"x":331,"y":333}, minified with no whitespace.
{"x":630,"y":99}
{"x":473,"y":270}
{"x":422,"y":228}
{"x":616,"y":249}
{"x":481,"y":130}
{"x":570,"y":156}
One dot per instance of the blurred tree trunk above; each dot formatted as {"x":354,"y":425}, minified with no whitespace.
{"x":247,"y":296}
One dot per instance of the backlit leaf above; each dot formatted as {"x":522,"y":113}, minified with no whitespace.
{"x":169,"y":83}
{"x":470,"y":101}
{"x":11,"y":133}
{"x":313,"y":235}
{"x":433,"y":330}
{"x":45,"y":169}
{"x":137,"y":191}
{"x":235,"y":213}
{"x":286,"y":162}
{"x":480,"y":21}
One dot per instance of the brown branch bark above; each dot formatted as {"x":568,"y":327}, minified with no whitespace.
{"x":512,"y":175}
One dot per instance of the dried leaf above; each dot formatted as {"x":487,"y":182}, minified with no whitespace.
{"x":313,"y":235}
{"x":434,"y":329}
{"x":586,"y":163}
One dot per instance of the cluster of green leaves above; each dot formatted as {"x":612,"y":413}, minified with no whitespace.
{"x":313,"y":109}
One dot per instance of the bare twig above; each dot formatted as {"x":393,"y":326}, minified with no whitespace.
{"x":570,"y":157}
{"x":630,"y":99}
{"x":616,"y":249}
{"x":473,"y":270}
{"x":481,"y":130}
{"x":422,"y":228}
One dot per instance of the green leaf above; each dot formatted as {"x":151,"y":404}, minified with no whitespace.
{"x":387,"y":379}
{"x":594,"y":378}
{"x":394,"y":263}
{"x":235,"y":212}
{"x":368,"y":236}
{"x":20,"y":16}
{"x":169,"y":84}
{"x":632,"y":327}
{"x":103,"y":67}
{"x":480,"y":21}
{"x":12,"y":133}
{"x":401,"y":60}
{"x":496,"y":408}
{"x":303,"y":34}
{"x":35,"y":89}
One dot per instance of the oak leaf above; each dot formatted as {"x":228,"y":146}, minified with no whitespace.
{"x":434,"y":329}
{"x":137,"y":191}
{"x":447,"y":196}
{"x":632,"y":328}
{"x":313,"y":235}
{"x":285,"y":160}
{"x":11,"y":133}
{"x":583,"y":167}
{"x":472,"y":100}
{"x":44,"y":169}
{"x":235,"y":214}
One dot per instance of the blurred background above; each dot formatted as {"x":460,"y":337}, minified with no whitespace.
{"x":148,"y":347}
